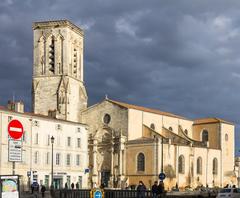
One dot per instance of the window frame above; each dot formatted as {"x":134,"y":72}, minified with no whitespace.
{"x":141,"y":162}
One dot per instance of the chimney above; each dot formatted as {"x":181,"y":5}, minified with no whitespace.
{"x":17,"y":106}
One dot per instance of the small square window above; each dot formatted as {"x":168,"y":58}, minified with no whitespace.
{"x":69,"y":141}
{"x":35,"y":123}
{"x":59,"y":127}
{"x":10,"y":118}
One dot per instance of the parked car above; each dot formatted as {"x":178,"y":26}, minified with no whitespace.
{"x":229,"y":192}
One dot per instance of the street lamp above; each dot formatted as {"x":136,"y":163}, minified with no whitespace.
{"x":52,"y":141}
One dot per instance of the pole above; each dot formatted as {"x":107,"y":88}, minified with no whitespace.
{"x":13,"y":168}
{"x":162,"y":157}
{"x":52,"y":167}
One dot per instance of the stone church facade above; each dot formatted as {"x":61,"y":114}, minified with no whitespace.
{"x":129,"y":143}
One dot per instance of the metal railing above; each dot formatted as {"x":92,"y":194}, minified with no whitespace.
{"x":85,"y":193}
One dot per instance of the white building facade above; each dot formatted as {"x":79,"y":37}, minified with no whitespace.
{"x":70,"y":150}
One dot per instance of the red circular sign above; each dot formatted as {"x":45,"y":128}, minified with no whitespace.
{"x":15,"y":129}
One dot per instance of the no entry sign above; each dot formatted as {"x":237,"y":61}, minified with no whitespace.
{"x":15,"y":129}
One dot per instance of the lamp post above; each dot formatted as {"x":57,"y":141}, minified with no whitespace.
{"x":162,"y":156}
{"x":52,"y":141}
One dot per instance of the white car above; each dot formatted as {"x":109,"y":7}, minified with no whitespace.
{"x":229,"y":192}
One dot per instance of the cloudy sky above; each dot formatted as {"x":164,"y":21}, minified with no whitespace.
{"x":178,"y":56}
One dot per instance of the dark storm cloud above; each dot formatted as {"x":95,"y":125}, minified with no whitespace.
{"x":179,"y":56}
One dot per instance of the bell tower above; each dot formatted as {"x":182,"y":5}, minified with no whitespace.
{"x":57,"y":84}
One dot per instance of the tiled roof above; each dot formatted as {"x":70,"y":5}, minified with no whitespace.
{"x":130,"y":106}
{"x":141,"y":140}
{"x":211,"y":121}
{"x":2,"y":108}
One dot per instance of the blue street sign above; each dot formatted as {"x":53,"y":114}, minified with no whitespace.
{"x":97,"y":194}
{"x":162,"y":176}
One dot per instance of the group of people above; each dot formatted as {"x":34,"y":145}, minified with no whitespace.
{"x":157,"y":189}
{"x":35,"y":188}
{"x":72,"y":186}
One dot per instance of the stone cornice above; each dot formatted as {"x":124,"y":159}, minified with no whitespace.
{"x":57,"y":23}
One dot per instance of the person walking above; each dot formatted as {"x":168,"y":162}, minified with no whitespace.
{"x":66,"y":185}
{"x":72,"y":186}
{"x":77,"y":185}
{"x":43,"y":189}
{"x":155,"y":189}
{"x":161,"y":189}
{"x":141,"y":189}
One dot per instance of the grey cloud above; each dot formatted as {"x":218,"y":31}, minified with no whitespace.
{"x":179,"y":56}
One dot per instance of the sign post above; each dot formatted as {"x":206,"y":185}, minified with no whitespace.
{"x":96,"y":193}
{"x":15,"y":129}
{"x":162,"y":176}
{"x":15,"y":132}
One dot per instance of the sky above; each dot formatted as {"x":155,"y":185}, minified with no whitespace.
{"x":177,"y":56}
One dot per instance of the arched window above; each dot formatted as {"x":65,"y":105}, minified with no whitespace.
{"x":226,"y":137}
{"x":186,"y":131}
{"x":199,"y":165}
{"x":215,"y":166}
{"x":140,"y":162}
{"x":205,"y":135}
{"x":152,"y":126}
{"x":170,"y":129}
{"x":181,"y":164}
{"x":52,"y":55}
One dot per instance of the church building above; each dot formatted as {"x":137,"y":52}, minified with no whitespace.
{"x":129,"y":143}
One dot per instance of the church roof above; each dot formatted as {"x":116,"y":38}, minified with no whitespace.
{"x":141,"y":140}
{"x":211,"y":121}
{"x":140,"y":108}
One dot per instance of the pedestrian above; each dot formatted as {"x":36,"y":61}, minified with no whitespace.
{"x":72,"y":186}
{"x":77,"y":185}
{"x":66,"y":185}
{"x":141,"y":189}
{"x":161,"y":189}
{"x":155,"y":189}
{"x":43,"y":189}
{"x":32,"y":187}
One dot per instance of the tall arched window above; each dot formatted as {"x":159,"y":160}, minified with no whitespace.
{"x":186,"y":131}
{"x":199,"y":165}
{"x":152,"y":126}
{"x":215,"y":166}
{"x":181,"y":164}
{"x":140,"y":162}
{"x":51,"y":54}
{"x":205,"y":135}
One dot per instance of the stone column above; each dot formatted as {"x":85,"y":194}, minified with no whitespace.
{"x":95,"y":173}
{"x":112,"y":166}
